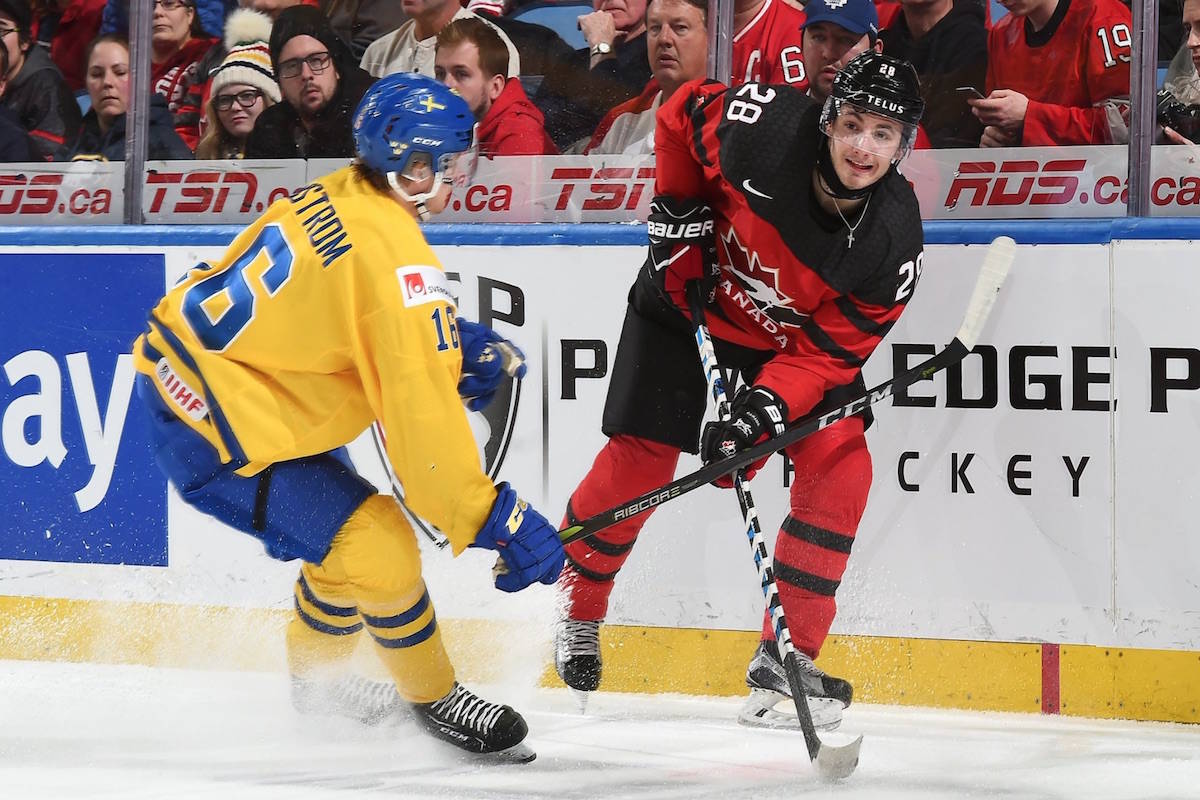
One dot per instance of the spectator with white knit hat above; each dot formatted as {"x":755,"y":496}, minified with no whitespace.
{"x":242,"y":86}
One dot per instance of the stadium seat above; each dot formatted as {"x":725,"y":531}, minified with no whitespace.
{"x":562,"y":18}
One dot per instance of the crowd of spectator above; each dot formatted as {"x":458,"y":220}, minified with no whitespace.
{"x":281,"y":78}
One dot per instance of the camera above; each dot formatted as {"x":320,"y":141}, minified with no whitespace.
{"x":1183,"y":118}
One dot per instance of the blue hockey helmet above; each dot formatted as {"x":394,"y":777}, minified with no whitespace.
{"x":406,"y":115}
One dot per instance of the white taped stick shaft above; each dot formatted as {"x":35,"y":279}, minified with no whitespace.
{"x":995,"y":268}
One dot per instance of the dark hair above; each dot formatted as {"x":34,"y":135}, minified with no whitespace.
{"x":493,"y":53}
{"x":375,"y":179}
{"x":115,"y":38}
{"x":700,"y":4}
{"x":3,"y":62}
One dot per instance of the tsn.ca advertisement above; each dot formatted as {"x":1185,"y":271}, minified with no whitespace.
{"x":1012,"y":183}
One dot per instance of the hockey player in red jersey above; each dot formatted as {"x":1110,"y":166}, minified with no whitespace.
{"x":767,"y":45}
{"x":1058,"y":74}
{"x":817,"y":249}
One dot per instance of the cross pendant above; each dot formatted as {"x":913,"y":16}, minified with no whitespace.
{"x":849,"y":240}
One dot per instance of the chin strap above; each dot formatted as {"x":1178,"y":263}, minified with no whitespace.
{"x":418,"y":200}
{"x":833,"y":184}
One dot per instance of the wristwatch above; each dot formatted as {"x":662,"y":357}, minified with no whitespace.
{"x":601,"y":49}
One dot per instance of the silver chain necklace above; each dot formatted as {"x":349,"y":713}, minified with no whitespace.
{"x":854,"y":227}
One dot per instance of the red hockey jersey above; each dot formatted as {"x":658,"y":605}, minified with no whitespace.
{"x":1068,"y":70}
{"x":767,"y":49}
{"x":792,"y":282}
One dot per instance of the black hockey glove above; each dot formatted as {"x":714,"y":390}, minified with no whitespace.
{"x":756,"y":413}
{"x":683,"y":248}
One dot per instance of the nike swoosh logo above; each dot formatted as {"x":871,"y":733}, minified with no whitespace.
{"x":746,"y":185}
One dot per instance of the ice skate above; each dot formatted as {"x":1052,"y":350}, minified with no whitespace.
{"x":577,"y":657}
{"x":770,"y":702}
{"x":370,"y":702}
{"x":470,"y":723}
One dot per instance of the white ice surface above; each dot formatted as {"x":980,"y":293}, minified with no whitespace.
{"x":127,"y":733}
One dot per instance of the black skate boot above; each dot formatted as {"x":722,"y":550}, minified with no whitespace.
{"x":469,"y":722}
{"x":577,"y":655}
{"x":370,"y":702}
{"x":770,"y":702}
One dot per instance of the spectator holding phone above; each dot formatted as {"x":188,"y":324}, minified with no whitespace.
{"x":1058,"y":74}
{"x":1179,"y":100}
{"x":946,"y":41}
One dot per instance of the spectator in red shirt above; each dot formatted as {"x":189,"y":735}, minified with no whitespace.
{"x":768,"y":42}
{"x":472,"y":59}
{"x":178,"y":44}
{"x":65,"y":28}
{"x":1058,"y":74}
{"x":677,"y":38}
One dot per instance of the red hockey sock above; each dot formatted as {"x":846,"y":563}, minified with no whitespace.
{"x":627,"y":467}
{"x":829,"y":494}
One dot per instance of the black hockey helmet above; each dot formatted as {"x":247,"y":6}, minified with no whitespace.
{"x":878,"y":84}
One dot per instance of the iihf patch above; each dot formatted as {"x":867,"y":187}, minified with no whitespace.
{"x":420,"y":284}
{"x":189,"y":401}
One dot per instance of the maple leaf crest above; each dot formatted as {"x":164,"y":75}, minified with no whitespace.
{"x":760,"y":282}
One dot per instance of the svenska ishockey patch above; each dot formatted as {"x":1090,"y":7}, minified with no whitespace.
{"x":422,"y":284}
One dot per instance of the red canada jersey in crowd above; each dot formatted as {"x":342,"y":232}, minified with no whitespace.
{"x":767,"y":49}
{"x":1067,"y":70}
{"x":792,"y":282}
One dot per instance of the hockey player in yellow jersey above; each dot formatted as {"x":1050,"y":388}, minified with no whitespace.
{"x":328,"y":313}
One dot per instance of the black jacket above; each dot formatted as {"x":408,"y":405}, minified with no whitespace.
{"x":543,"y":52}
{"x":39,"y":97}
{"x":575,"y":98}
{"x":278,"y":132}
{"x":14,"y":143}
{"x":952,"y":54}
{"x":164,"y":142}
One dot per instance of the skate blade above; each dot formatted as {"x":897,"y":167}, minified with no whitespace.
{"x":761,"y":710}
{"x":519,"y":753}
{"x":581,"y":699}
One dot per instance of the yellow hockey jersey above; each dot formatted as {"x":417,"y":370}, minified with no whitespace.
{"x":327,"y":313}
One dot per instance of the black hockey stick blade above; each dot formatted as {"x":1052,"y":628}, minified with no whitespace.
{"x":987,"y":286}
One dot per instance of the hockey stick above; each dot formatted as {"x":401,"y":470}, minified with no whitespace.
{"x":991,"y":277}
{"x":832,"y":763}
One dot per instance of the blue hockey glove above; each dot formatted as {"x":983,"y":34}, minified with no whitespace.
{"x":487,"y":356}
{"x":528,"y":545}
{"x":755,"y":414}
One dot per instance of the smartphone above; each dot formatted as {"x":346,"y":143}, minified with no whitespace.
{"x":972,"y":90}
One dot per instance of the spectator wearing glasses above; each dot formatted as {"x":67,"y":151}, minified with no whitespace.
{"x":178,"y":44}
{"x":243,"y":86}
{"x":472,"y":60}
{"x":1058,"y":74}
{"x":36,"y":91}
{"x":410,"y":48}
{"x":102,"y":137}
{"x":321,"y":86}
{"x":14,"y":142}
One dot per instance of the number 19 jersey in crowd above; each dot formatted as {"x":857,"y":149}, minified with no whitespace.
{"x":321,"y":317}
